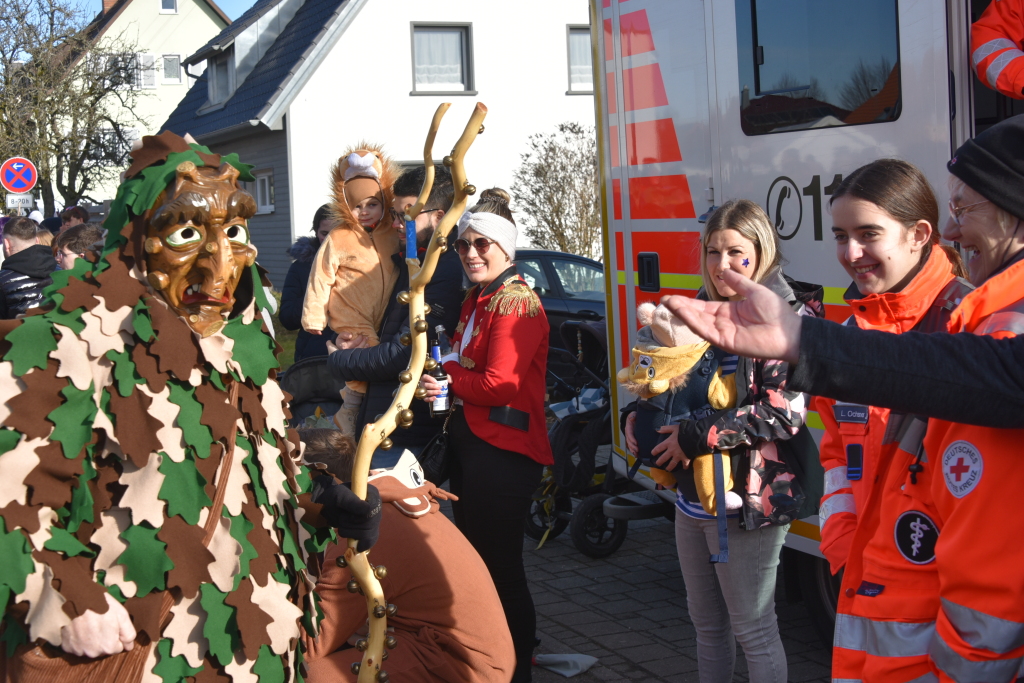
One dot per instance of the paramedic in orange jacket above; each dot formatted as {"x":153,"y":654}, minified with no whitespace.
{"x":996,"y":41}
{"x":883,"y":216}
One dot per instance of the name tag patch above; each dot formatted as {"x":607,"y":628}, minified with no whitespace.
{"x":850,"y":412}
{"x":962,"y":467}
{"x":870,"y":589}
{"x":916,"y":535}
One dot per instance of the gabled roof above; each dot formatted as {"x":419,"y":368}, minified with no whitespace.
{"x":266,"y":92}
{"x":102,"y":21}
{"x":225,"y":38}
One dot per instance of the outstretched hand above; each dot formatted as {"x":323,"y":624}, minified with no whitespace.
{"x":762,"y":325}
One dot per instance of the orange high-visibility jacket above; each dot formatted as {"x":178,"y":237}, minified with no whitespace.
{"x":884,"y":531}
{"x":996,"y":40}
{"x":976,"y":484}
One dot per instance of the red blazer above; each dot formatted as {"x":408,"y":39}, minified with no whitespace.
{"x":503,"y":364}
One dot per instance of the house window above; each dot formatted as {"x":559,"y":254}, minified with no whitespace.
{"x":220,"y":74}
{"x":146,"y":71}
{"x":581,"y":60}
{"x":806,"y":64}
{"x":442,"y":59}
{"x":264,"y":194}
{"x":168,"y":6}
{"x":172,"y":70}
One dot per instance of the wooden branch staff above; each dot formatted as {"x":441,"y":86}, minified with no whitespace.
{"x":366,"y":577}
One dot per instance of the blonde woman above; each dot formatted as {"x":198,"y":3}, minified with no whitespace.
{"x":735,"y":600}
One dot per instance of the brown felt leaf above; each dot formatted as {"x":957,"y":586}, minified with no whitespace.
{"x":187,"y":552}
{"x":208,"y":467}
{"x":119,"y":286}
{"x":218,"y":414}
{"x":75,"y":582}
{"x":212,"y":673}
{"x":145,"y":613}
{"x":52,"y":479}
{"x":145,"y":365}
{"x":42,"y":396}
{"x":78,"y":294}
{"x":175,"y":347}
{"x":252,"y":621}
{"x":264,"y":541}
{"x":252,"y":408}
{"x":105,"y":487}
{"x":135,"y":428}
{"x":18,"y":516}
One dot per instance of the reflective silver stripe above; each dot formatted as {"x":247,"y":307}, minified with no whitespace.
{"x":841,"y":502}
{"x":847,"y":680}
{"x":984,"y":631}
{"x":835,"y":479}
{"x":883,"y":638}
{"x":964,"y":670}
{"x":989,"y":48}
{"x":1000,"y":63}
{"x":1002,"y":321}
{"x":927,"y":678}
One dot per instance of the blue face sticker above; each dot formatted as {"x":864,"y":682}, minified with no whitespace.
{"x":746,"y":263}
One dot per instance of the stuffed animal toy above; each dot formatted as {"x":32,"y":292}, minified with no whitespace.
{"x":353,"y":274}
{"x":664,"y":359}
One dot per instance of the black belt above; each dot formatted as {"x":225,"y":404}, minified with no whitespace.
{"x":511,"y":417}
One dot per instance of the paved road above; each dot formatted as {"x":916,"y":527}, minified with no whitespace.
{"x":629,"y":611}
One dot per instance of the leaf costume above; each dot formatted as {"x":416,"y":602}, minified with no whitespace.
{"x":115,"y":421}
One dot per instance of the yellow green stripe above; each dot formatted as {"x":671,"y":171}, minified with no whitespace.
{"x":669,"y":280}
{"x":834,"y":295}
{"x":814,"y":420}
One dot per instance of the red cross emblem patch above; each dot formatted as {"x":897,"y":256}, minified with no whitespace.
{"x":962,"y":467}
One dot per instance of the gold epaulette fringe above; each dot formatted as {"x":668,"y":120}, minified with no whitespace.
{"x":460,"y":327}
{"x":515,"y":299}
{"x":471,"y":292}
{"x":467,"y":362}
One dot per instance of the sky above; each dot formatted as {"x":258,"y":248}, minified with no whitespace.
{"x":234,"y":8}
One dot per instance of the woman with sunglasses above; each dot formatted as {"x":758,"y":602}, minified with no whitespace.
{"x":497,"y":431}
{"x":877,"y":514}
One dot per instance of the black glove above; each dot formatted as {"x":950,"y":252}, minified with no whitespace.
{"x":352,"y":517}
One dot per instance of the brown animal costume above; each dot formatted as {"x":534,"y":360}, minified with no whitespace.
{"x":353,"y":274}
{"x":665,"y":353}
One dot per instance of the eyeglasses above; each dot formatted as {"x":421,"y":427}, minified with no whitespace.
{"x":481,"y":244}
{"x":957,"y":212}
{"x":60,"y":256}
{"x":397,"y":215}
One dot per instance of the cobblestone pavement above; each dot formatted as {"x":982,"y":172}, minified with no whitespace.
{"x":629,"y":611}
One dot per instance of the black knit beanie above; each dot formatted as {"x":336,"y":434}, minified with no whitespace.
{"x":992,"y":164}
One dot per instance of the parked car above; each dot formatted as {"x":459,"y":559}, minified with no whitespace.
{"x":570,"y":287}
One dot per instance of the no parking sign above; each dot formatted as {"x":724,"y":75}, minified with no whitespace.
{"x":18,"y":175}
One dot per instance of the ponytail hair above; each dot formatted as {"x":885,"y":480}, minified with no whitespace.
{"x":900,"y":189}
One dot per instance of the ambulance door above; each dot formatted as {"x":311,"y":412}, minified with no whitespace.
{"x":656,"y":155}
{"x":808,"y":91}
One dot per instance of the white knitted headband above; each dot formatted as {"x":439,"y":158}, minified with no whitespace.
{"x":492,"y":226}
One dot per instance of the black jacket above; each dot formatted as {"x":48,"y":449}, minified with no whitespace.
{"x":379,"y":365}
{"x":294,"y":292}
{"x":23,"y":277}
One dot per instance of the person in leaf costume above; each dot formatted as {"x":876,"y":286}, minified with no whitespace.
{"x":153,"y":504}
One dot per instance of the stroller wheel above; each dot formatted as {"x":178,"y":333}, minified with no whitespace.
{"x":551,"y":509}
{"x":592,"y":533}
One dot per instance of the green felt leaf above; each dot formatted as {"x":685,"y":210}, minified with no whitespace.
{"x":259,"y":293}
{"x":269,"y":667}
{"x":307,"y":618}
{"x":218,"y":381}
{"x":221,"y":627}
{"x":81,"y":499}
{"x":249,"y":461}
{"x":145,"y":560}
{"x":172,"y":669}
{"x":253,"y":350}
{"x":73,"y":420}
{"x":125,"y":374}
{"x":319,"y":538}
{"x":288,"y":544}
{"x":59,"y":316}
{"x":118,"y":595}
{"x":283,"y":575}
{"x":8,"y":440}
{"x":13,"y":634}
{"x":61,"y":541}
{"x":17,"y":563}
{"x":183,"y":489}
{"x":61,"y":279}
{"x":299,"y":659}
{"x":197,"y":435}
{"x":142,"y":323}
{"x":240,"y":528}
{"x":31,"y":344}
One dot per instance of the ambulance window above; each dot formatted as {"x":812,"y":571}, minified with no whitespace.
{"x":817,"y":64}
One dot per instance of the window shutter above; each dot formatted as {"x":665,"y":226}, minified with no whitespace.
{"x":147,"y":66}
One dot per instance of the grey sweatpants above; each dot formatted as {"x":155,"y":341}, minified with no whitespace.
{"x":736,"y":598}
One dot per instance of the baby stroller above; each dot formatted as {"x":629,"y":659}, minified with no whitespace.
{"x":312,"y":386}
{"x":580,"y":424}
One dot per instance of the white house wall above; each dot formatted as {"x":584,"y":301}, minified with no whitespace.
{"x":361,"y":91}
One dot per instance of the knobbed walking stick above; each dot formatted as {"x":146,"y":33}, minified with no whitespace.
{"x":366,"y":578}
